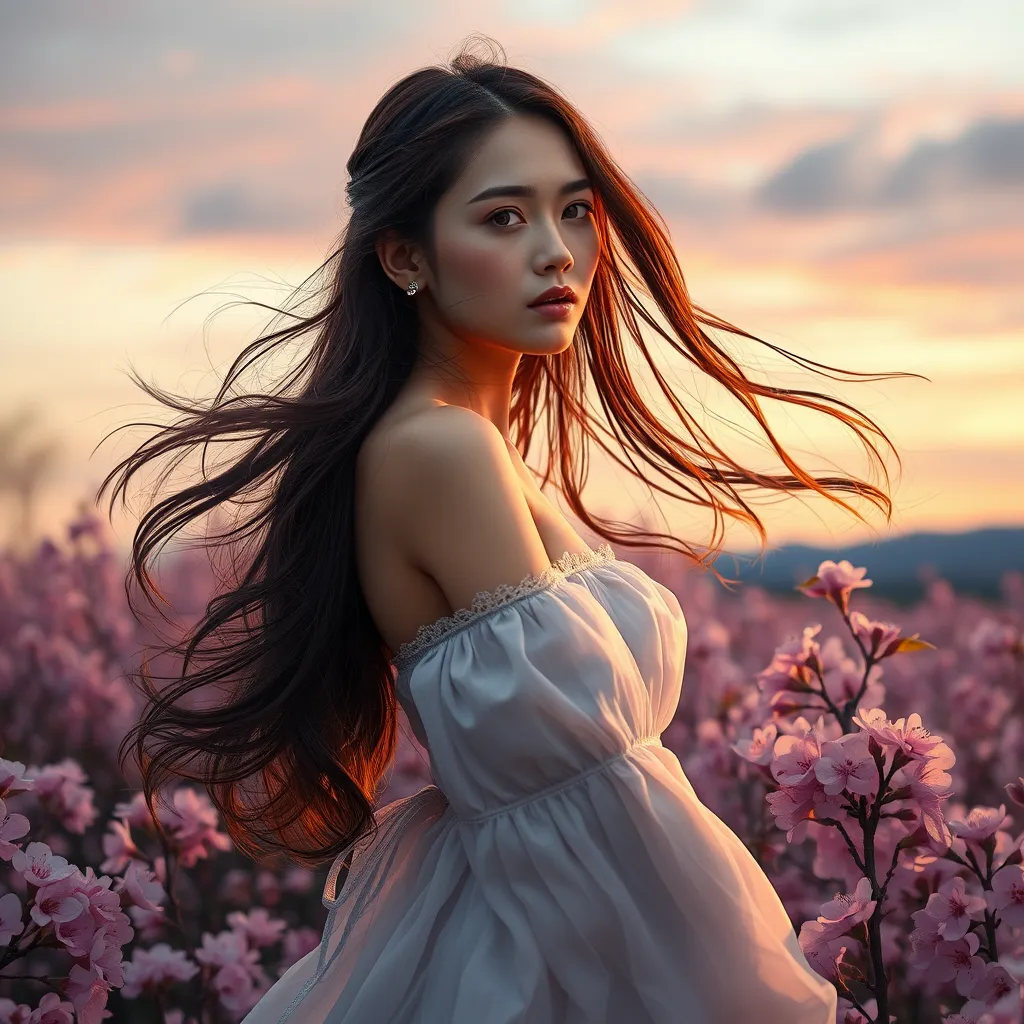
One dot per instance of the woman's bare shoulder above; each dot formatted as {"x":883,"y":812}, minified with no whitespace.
{"x":455,"y":502}
{"x":416,"y":449}
{"x":432,"y":431}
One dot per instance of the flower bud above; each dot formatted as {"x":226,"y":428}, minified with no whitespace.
{"x":1015,"y":791}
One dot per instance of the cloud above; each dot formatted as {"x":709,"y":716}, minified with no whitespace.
{"x":231,"y":208}
{"x":989,"y":154}
{"x":820,"y":178}
{"x":845,"y":173}
{"x":676,"y":195}
{"x":53,"y":50}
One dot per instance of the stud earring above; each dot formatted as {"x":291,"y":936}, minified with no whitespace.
{"x":412,"y":289}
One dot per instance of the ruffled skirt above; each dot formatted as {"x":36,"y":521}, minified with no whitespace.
{"x":617,"y":897}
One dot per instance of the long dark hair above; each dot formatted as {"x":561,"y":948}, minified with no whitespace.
{"x":303,"y":728}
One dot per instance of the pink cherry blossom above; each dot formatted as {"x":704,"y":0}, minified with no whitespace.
{"x":106,"y":954}
{"x":77,"y":934}
{"x":141,"y":887}
{"x":257,"y":926}
{"x":759,"y":749}
{"x":193,"y":820}
{"x":708,"y":639}
{"x":105,"y":922}
{"x":980,"y":823}
{"x":148,"y":924}
{"x":849,"y":908}
{"x":178,"y":1017}
{"x":104,"y":904}
{"x":823,"y":942}
{"x":957,"y":961}
{"x":14,"y":1013}
{"x":53,"y":1010}
{"x":846,"y":764}
{"x":908,"y":735}
{"x":791,"y":805}
{"x":925,"y":937}
{"x":39,"y":866}
{"x":930,"y":786}
{"x":119,"y":847}
{"x":995,"y":986}
{"x":968,"y":1015}
{"x":89,"y":991}
{"x":789,"y":662}
{"x":12,"y":826}
{"x":150,"y":969}
{"x":13,"y":778}
{"x":991,"y":638}
{"x":239,"y":968}
{"x":11,"y":923}
{"x":835,"y":581}
{"x":794,"y":806}
{"x":1007,"y":895}
{"x":879,"y":638}
{"x":227,"y":947}
{"x":61,"y":788}
{"x":954,"y":908}
{"x":795,"y":755}
{"x":927,"y":776}
{"x":134,"y":812}
{"x":59,"y":901}
{"x":64,"y":637}
{"x":235,"y":988}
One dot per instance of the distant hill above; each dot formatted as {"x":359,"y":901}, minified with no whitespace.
{"x":972,"y":562}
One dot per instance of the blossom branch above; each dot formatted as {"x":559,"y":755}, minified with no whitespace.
{"x":51,"y":983}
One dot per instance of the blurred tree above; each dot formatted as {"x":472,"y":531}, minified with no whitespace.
{"x":24,"y":467}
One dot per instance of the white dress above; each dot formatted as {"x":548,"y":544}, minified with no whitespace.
{"x":562,"y":870}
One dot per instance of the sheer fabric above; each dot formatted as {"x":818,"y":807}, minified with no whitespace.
{"x":561,"y":870}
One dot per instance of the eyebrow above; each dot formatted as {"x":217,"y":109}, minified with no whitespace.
{"x":529,"y":191}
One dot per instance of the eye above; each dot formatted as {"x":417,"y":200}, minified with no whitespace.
{"x":578,"y":202}
{"x":586,"y":206}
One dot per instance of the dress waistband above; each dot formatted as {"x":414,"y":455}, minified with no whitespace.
{"x":541,"y":794}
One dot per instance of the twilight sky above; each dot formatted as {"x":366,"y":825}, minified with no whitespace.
{"x":844,"y":179}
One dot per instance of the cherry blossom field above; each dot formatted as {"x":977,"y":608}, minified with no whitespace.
{"x":869,"y":757}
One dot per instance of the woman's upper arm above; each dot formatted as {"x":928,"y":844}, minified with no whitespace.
{"x":467,"y":523}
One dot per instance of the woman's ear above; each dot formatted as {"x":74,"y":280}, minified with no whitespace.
{"x":401,"y":260}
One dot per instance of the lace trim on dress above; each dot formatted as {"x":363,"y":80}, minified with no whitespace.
{"x":487,"y":601}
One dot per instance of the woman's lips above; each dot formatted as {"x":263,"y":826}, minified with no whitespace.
{"x":554,"y":310}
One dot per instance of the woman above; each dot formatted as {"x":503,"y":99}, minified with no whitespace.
{"x":562,"y":868}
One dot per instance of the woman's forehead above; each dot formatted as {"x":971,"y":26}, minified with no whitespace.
{"x":521,"y":153}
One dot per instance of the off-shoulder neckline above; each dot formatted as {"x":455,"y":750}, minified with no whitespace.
{"x":486,"y":601}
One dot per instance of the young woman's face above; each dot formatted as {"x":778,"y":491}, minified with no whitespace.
{"x":495,"y":255}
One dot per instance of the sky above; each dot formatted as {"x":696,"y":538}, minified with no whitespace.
{"x":844,"y":179}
